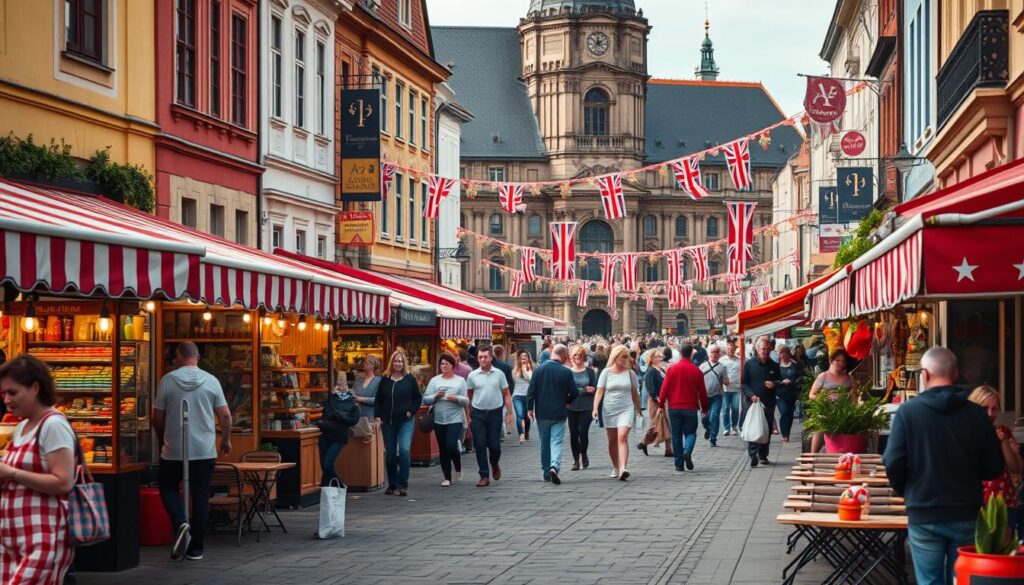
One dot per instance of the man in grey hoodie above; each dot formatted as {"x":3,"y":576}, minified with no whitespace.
{"x":206,"y":401}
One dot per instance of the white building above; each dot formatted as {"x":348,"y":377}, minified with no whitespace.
{"x":790,"y":196}
{"x":450,"y":117}
{"x":299,"y":208}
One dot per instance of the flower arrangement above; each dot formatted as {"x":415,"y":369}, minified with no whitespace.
{"x":848,"y":466}
{"x":854,"y":503}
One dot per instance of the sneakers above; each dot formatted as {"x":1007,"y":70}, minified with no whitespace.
{"x":195,"y":555}
{"x":727,"y":433}
{"x":554,"y":477}
{"x":714,"y":443}
{"x":753,"y":461}
{"x":615,"y":473}
{"x":446,"y":483}
{"x":181,"y":541}
{"x":688,"y":460}
{"x":624,"y":475}
{"x":764,"y":462}
{"x":522,"y":439}
{"x":390,"y":491}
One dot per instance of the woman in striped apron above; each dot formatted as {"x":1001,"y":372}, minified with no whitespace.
{"x":36,"y":475}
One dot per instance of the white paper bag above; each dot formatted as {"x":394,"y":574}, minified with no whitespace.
{"x":755,"y":425}
{"x":332,"y":510}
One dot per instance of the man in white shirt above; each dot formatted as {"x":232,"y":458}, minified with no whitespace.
{"x":731,"y":390}
{"x":488,"y":393}
{"x":716,"y":377}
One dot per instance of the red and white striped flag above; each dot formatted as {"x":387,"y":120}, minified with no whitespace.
{"x":510,"y":195}
{"x":674,"y":296}
{"x":612,"y":199}
{"x":711,"y":304}
{"x":737,"y":157}
{"x":741,"y":235}
{"x":733,"y":282}
{"x":687,"y":174}
{"x":649,"y":300}
{"x":387,"y":174}
{"x":563,"y":250}
{"x":753,"y":296}
{"x":701,"y":272}
{"x":517,"y":285}
{"x":612,"y":296}
{"x":766,"y":292}
{"x":438,"y":189}
{"x":628,"y":263}
{"x":685,"y":296}
{"x":582,"y":294}
{"x":528,"y":263}
{"x":675,"y":266}
{"x":608,"y":271}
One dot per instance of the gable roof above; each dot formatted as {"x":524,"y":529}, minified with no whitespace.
{"x":486,"y":66}
{"x":686,"y":116}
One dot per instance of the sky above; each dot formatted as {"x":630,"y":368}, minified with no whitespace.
{"x":755,"y":40}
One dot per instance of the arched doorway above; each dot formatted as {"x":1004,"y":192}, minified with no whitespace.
{"x":682,"y":324}
{"x":597,"y":322}
{"x":652,"y":324}
{"x":594,"y":236}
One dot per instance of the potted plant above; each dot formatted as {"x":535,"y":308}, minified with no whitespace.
{"x":853,"y":503}
{"x":845,"y":422}
{"x":994,"y":556}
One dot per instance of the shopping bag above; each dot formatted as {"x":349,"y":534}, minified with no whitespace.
{"x":755,"y":425}
{"x":88,"y":521}
{"x":363,"y":429}
{"x":332,"y":510}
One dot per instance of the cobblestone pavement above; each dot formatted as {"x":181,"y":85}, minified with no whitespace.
{"x":712,"y":525}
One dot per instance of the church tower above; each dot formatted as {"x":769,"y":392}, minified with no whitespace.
{"x":708,"y":70}
{"x":585,"y":68}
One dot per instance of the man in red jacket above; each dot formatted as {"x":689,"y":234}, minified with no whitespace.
{"x":684,"y":392}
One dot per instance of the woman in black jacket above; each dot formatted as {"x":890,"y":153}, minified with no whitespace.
{"x":657,"y":365}
{"x":340,"y":413}
{"x":394,"y":409}
{"x":580,"y":410}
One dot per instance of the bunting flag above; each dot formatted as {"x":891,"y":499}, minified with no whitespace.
{"x":568,"y":287}
{"x":741,"y":236}
{"x":737,"y":156}
{"x":510,"y":196}
{"x":733,"y":281}
{"x":438,"y":189}
{"x":612,"y":199}
{"x":563,"y":250}
{"x":608,"y":271}
{"x":612,"y":296}
{"x":528,"y":263}
{"x":675,"y":266}
{"x":649,"y":301}
{"x":628,"y":263}
{"x":685,"y":296}
{"x":766,"y":293}
{"x":387,"y":174}
{"x":581,"y":296}
{"x":517,"y":285}
{"x":710,"y":304}
{"x":701,"y":271}
{"x":795,"y":261}
{"x":687,"y":174}
{"x":674,"y":296}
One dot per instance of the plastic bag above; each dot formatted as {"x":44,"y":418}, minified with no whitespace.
{"x":332,"y":510}
{"x":755,"y":425}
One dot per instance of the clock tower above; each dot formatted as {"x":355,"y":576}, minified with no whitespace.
{"x":585,"y":68}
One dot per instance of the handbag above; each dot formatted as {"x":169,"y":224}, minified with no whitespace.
{"x":88,"y":521}
{"x":363,"y":429}
{"x":426,"y":421}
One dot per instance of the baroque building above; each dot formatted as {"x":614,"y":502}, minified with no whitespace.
{"x":567,"y":94}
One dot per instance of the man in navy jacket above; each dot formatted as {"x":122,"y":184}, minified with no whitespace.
{"x":941,"y":447}
{"x":760,"y":375}
{"x":552,"y":388}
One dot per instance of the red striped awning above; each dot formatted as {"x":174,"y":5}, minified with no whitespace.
{"x":529,"y":326}
{"x":890,"y":279}
{"x":349,"y":304}
{"x":832,"y":303}
{"x":454,"y":328}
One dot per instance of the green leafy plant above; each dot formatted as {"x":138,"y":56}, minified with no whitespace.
{"x":267,"y":447}
{"x":131,"y":183}
{"x":861,"y":240}
{"x":844,"y":416}
{"x":25,"y":157}
{"x":992,"y":536}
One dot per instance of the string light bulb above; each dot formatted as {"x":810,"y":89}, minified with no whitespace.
{"x":104,"y":323}
{"x":281,"y":322}
{"x":246,"y":318}
{"x":150,"y":306}
{"x":207,"y":315}
{"x":268,"y":320}
{"x":316,"y":326}
{"x":30,"y":323}
{"x":327,"y":327}
{"x":302,"y":323}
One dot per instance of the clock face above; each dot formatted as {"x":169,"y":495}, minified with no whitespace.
{"x":597,"y":43}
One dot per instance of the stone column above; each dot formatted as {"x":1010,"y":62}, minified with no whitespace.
{"x":628,"y":319}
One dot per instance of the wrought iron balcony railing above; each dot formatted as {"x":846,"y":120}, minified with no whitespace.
{"x":980,"y":59}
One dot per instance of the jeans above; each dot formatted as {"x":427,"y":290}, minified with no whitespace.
{"x":552,"y":434}
{"x":448,"y":444}
{"x":397,"y":441}
{"x":760,"y":450}
{"x":933,"y":549}
{"x":579,"y":433}
{"x":730,"y":410}
{"x":199,"y":474}
{"x":522,"y":421}
{"x":486,"y":427}
{"x":786,"y":410}
{"x":329,"y":451}
{"x":684,"y":424}
{"x":714,"y":413}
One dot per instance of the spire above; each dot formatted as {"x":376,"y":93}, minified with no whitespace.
{"x":708,"y":70}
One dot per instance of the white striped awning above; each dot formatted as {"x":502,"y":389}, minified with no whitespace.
{"x":890,"y":279}
{"x":529,"y":326}
{"x":452,"y":323}
{"x":831,"y":303}
{"x":349,"y":304}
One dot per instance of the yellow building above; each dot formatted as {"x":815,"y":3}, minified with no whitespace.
{"x":389,"y":46}
{"x":81,"y":71}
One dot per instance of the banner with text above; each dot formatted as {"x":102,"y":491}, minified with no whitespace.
{"x":856,"y":193}
{"x":360,"y":145}
{"x":355,"y":228}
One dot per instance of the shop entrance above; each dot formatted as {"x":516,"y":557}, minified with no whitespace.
{"x":682,"y":324}
{"x":597,"y":322}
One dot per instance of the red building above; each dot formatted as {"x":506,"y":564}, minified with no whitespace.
{"x":207,"y":62}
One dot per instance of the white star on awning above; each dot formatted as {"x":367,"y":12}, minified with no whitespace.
{"x":1020,"y":267}
{"x":965,"y":270}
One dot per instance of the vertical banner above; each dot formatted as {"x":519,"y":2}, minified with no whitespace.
{"x":856,"y":193}
{"x":360,"y":145}
{"x":828,"y":205}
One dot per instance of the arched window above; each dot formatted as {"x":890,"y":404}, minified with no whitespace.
{"x":682,"y":324}
{"x":496,"y":280}
{"x":650,"y":226}
{"x":595,"y":113}
{"x":712,"y":227}
{"x":497,"y":224}
{"x":681,"y":226}
{"x":594,"y":236}
{"x":533,"y":225}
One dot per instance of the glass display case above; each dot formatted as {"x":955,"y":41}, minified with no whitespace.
{"x":294,"y":375}
{"x":134,"y":392}
{"x":351,"y":348}
{"x":419,"y":352}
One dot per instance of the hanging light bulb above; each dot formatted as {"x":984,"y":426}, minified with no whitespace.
{"x":281,"y":322}
{"x":29,"y":323}
{"x":302,"y":324}
{"x":150,"y":306}
{"x":246,"y":318}
{"x":316,"y":326}
{"x":104,"y":323}
{"x":327,"y":327}
{"x":267,"y":320}
{"x":207,"y":314}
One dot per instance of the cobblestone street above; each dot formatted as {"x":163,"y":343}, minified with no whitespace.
{"x":713,"y":525}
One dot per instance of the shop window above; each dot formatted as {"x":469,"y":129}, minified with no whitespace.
{"x":712,"y":227}
{"x":189,"y":212}
{"x":185,"y":52}
{"x":496,"y":280}
{"x":300,"y":241}
{"x":497,"y":225}
{"x":533,"y":225}
{"x":496,"y":174}
{"x":217,"y":220}
{"x":681,"y":226}
{"x":85,"y":28}
{"x":650,"y":226}
{"x":239,"y":69}
{"x":241,"y":226}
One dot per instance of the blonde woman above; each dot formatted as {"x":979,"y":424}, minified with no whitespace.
{"x":581,"y":408}
{"x":521,"y":376}
{"x":988,"y":398}
{"x":394,"y":407}
{"x":617,"y":403}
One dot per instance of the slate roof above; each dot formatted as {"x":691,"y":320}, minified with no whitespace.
{"x":486,"y":69}
{"x":576,"y":5}
{"x":703,"y":114}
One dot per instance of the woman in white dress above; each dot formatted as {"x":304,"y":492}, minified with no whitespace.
{"x":618,"y":402}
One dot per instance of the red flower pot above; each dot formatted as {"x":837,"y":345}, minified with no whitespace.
{"x":993,"y":568}
{"x":846,"y":443}
{"x":844,"y":474}
{"x":849,"y":512}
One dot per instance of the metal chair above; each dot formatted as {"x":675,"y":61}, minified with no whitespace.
{"x":226,"y":493}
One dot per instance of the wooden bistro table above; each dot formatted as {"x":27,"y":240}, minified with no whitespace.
{"x":262,"y":476}
{"x":878,"y":481}
{"x":870,"y":550}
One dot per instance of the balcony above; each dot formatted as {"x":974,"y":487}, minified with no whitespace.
{"x":621,"y":143}
{"x":980,"y":59}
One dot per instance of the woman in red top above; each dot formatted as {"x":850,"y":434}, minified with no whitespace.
{"x":1006,"y":484}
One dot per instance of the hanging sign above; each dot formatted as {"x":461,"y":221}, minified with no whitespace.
{"x":828,"y":205}
{"x":853,"y":143}
{"x":856,"y":193}
{"x":360,"y":145}
{"x":825,"y":102}
{"x":355,"y":228}
{"x":416,"y":317}
{"x":830,"y":237}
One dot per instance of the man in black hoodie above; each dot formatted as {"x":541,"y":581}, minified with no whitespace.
{"x":941,"y":447}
